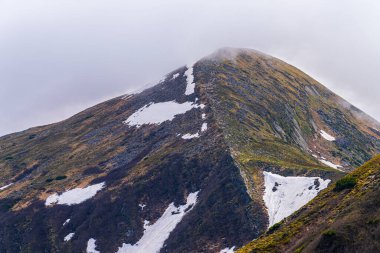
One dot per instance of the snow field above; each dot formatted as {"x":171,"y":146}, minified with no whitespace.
{"x":285,"y":195}
{"x":157,"y":113}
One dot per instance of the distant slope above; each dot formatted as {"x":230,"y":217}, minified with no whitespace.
{"x":337,"y":220}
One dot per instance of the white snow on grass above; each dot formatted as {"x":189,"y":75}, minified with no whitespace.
{"x":203,"y":115}
{"x":204,"y":127}
{"x":74,"y":196}
{"x":146,"y":224}
{"x":330,"y":164}
{"x":190,"y":136}
{"x":175,"y":76}
{"x":142,"y":206}
{"x":66,"y":222}
{"x":157,"y":113}
{"x":5,"y":186}
{"x":68,"y":237}
{"x":327,"y":136}
{"x":91,"y":246}
{"x":228,"y":250}
{"x":156,"y":234}
{"x":285,"y":195}
{"x":190,"y":81}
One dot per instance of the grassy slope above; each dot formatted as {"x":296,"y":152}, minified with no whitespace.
{"x":36,"y":157}
{"x":335,"y":221}
{"x":256,"y":95}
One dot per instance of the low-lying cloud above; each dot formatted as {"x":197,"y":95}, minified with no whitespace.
{"x":59,"y":57}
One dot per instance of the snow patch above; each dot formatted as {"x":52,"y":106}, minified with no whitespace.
{"x":66,"y":222}
{"x":156,"y":234}
{"x":190,"y":136}
{"x":228,"y":250}
{"x":146,"y":224}
{"x":74,"y":196}
{"x":203,"y":115}
{"x":330,"y":164}
{"x":190,"y":80}
{"x":204,"y":127}
{"x":327,"y":136}
{"x":91,"y":246}
{"x":285,"y":195}
{"x":5,"y":186}
{"x":142,"y":206}
{"x":175,"y":76}
{"x":157,"y":113}
{"x":68,"y":237}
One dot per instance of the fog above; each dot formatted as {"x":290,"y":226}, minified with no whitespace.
{"x":60,"y":57}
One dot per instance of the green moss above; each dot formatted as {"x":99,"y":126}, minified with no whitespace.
{"x":299,"y":249}
{"x":373,"y":222}
{"x":274,"y":227}
{"x":329,"y":233}
{"x":346,"y":182}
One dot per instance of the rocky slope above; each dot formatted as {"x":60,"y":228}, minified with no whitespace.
{"x":203,"y":161}
{"x":344,"y":218}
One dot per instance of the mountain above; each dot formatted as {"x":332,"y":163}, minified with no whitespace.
{"x":204,"y":161}
{"x":344,"y":218}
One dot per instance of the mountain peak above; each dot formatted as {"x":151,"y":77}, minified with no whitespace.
{"x":230,"y":53}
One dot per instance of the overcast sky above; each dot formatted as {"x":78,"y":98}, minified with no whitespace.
{"x":60,"y":57}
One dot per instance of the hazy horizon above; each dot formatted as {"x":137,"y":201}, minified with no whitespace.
{"x":58,"y":58}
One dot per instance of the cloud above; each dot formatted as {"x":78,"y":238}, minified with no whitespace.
{"x":59,"y":57}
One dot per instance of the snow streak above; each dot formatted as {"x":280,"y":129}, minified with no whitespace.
{"x":156,"y":234}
